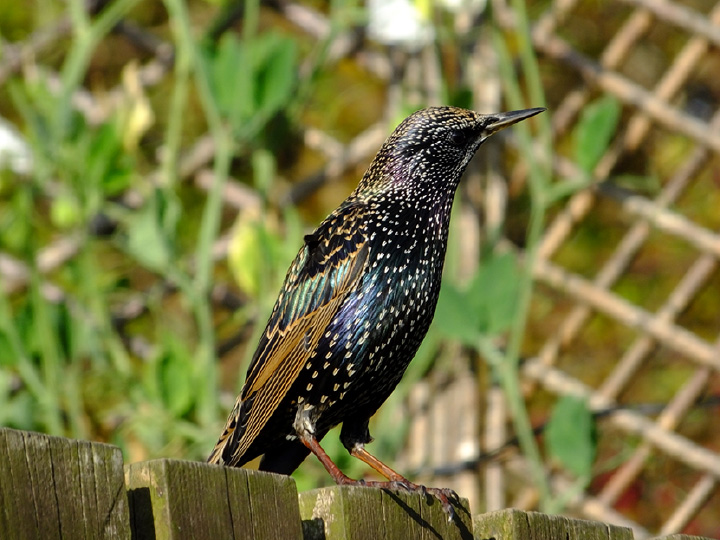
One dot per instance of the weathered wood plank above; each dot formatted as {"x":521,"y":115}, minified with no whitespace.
{"x":514,"y":524}
{"x":51,"y":487}
{"x":171,"y":499}
{"x":355,"y":513}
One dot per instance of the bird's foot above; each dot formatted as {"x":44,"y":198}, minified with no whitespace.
{"x":444,"y":495}
{"x":395,"y":482}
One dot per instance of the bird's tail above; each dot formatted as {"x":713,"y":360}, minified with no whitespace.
{"x":219,"y":455}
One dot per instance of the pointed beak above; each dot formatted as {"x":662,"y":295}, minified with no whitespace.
{"x":502,"y":120}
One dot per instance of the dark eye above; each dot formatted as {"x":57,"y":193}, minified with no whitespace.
{"x":457,"y":137}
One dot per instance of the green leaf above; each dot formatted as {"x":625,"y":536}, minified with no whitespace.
{"x":227,"y":82}
{"x":234,"y":85}
{"x":277,"y":75}
{"x":494,"y":291}
{"x":146,"y":240}
{"x":245,"y":257}
{"x":175,"y":377}
{"x":65,"y":212}
{"x":455,"y":317}
{"x":264,"y":169}
{"x":570,"y":436}
{"x":252,"y":79}
{"x":594,"y":131}
{"x":462,"y":97}
{"x":487,"y":306}
{"x":17,"y":220}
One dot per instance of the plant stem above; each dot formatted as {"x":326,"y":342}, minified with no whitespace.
{"x":87,"y":34}
{"x":539,"y":178}
{"x":206,"y":370}
{"x":50,"y":357}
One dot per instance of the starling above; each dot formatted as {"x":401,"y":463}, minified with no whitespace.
{"x":357,"y":302}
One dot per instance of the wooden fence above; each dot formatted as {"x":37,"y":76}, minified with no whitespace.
{"x":51,"y":487}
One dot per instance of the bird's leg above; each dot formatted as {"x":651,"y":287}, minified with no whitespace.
{"x":396,"y":479}
{"x":304,"y":426}
{"x":359,"y":452}
{"x":340,"y":477}
{"x":355,"y":434}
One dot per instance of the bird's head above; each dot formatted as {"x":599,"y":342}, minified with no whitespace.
{"x":433,"y":146}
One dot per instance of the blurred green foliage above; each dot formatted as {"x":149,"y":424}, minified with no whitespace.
{"x":68,"y":363}
{"x":487,"y":305}
{"x":252,"y":80}
{"x":594,"y":131}
{"x":570,"y":438}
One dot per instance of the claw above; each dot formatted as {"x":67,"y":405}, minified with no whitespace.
{"x":450,"y":511}
{"x":444,"y":496}
{"x":402,"y":485}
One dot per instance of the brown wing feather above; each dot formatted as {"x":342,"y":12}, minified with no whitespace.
{"x":325,"y":270}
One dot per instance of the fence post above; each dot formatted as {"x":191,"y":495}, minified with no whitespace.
{"x":172,"y":499}
{"x":51,"y":487}
{"x":512,"y":524}
{"x":349,"y":513}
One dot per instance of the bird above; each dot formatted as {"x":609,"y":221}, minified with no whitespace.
{"x":356,"y":303}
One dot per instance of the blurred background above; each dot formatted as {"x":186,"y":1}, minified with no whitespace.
{"x":160,"y":162}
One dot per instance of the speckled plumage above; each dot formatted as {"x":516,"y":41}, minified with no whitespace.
{"x":358,"y":299}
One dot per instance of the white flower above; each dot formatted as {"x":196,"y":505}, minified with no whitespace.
{"x":15,"y":153}
{"x":398,"y":22}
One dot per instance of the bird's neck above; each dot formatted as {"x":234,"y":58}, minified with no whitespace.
{"x":402,"y":194}
{"x":413,"y":220}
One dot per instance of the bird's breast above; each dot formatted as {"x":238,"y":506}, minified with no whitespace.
{"x":381,"y":326}
{"x":368,"y":345}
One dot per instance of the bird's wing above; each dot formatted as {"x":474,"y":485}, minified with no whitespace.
{"x":325,"y":270}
